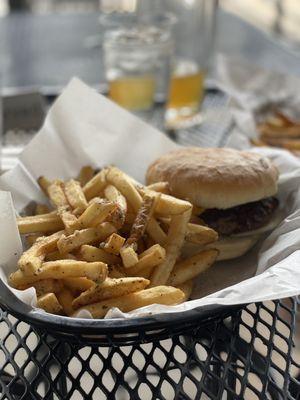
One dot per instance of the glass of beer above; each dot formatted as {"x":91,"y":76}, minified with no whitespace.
{"x":137,"y":59}
{"x":194,"y":38}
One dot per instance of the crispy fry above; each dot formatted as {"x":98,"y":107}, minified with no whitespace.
{"x":175,"y":239}
{"x":67,"y":244}
{"x":69,"y":220}
{"x":45,"y":286}
{"x":40,"y":223}
{"x":167,"y":205}
{"x":186,"y":288}
{"x":93,"y":187}
{"x":156,"y":232}
{"x":61,"y":269}
{"x":65,"y":298}
{"x":109,"y":289}
{"x":86,"y":173}
{"x":289,"y":144}
{"x":196,"y":233}
{"x":91,"y":253}
{"x":31,"y":259}
{"x":124,"y":184}
{"x":161,"y":187}
{"x":158,"y":295}
{"x":192,"y":267}
{"x":78,"y":284}
{"x":95,"y":214}
{"x":114,"y":243}
{"x":56,"y":194}
{"x":275,"y":132}
{"x":49,"y":303}
{"x":200,"y":234}
{"x":31,"y":239}
{"x":41,"y":209}
{"x":44,"y":183}
{"x":129,"y":256}
{"x":113,"y":195}
{"x":75,"y":195}
{"x":150,"y":258}
{"x":142,"y":219}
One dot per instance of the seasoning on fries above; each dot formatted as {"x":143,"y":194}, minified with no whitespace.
{"x":109,"y":242}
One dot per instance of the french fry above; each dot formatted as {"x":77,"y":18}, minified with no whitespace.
{"x":129,"y":256}
{"x":175,"y":239}
{"x":65,"y":298}
{"x":92,"y":253}
{"x":41,"y":209}
{"x":113,"y":195}
{"x":67,"y":244}
{"x":275,"y":132}
{"x":192,"y":267}
{"x":157,"y":295}
{"x":196,"y":233}
{"x":45,"y":286}
{"x":48,"y":302}
{"x":40,"y":223}
{"x":114,"y":244}
{"x":110,"y":288}
{"x":85,"y":175}
{"x":161,"y":187}
{"x":61,"y":269}
{"x":95,"y":214}
{"x":44,"y":183}
{"x":75,"y":195}
{"x":167,"y":205}
{"x":200,"y":234}
{"x":150,"y":258}
{"x":31,"y":259}
{"x":78,"y":284}
{"x":124,"y":184}
{"x":93,"y":187}
{"x":142,"y":219}
{"x":186,"y":288}
{"x":56,"y":194}
{"x":289,"y":144}
{"x":156,"y":232}
{"x":31,"y":239}
{"x":69,"y":220}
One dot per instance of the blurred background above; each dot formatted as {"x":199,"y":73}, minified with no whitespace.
{"x":154,"y":57}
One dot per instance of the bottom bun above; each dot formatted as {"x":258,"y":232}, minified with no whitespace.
{"x":229,"y":248}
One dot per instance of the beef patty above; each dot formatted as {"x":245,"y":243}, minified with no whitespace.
{"x":246,"y":217}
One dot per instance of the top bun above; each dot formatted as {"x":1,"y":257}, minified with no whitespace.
{"x":215,"y":177}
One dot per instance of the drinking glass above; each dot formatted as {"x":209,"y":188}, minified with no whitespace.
{"x":194,"y":42}
{"x":137,"y":58}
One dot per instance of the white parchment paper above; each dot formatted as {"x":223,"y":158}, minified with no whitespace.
{"x":83,"y":127}
{"x":254,"y":93}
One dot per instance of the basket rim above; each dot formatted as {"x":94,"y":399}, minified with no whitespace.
{"x":62,"y":324}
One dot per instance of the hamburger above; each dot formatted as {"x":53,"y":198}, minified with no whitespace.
{"x":233,"y":192}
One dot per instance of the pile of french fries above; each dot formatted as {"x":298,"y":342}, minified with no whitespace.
{"x":107,"y":241}
{"x":279,"y":130}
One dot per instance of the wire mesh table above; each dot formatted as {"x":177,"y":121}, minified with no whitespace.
{"x":249,"y":353}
